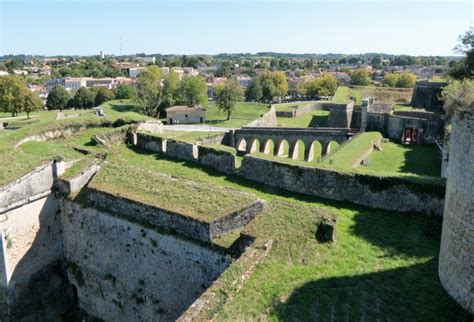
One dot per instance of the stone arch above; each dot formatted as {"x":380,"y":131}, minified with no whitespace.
{"x":313,"y":151}
{"x":282,"y":148}
{"x":254,"y":146}
{"x":267,"y":147}
{"x":242,"y":145}
{"x":297,"y":150}
{"x":331,"y":146}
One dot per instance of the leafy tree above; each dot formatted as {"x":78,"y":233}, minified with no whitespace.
{"x":103,"y":95}
{"x":360,"y":76}
{"x":84,"y":98}
{"x":406,"y":80}
{"x":149,"y":90}
{"x":253,"y":93}
{"x":464,"y":68}
{"x":228,"y":94}
{"x":193,"y":91}
{"x":12,"y":92}
{"x":459,"y":97}
{"x":124,"y":91}
{"x":326,"y":85}
{"x":170,"y":93}
{"x":390,"y":80}
{"x":274,"y":84}
{"x":57,"y":98}
{"x":31,"y":102}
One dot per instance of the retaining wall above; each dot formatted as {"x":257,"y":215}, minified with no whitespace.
{"x":126,"y":272}
{"x":268,"y":119}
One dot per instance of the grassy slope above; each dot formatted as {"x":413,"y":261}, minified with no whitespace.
{"x":373,"y":271}
{"x":243,"y":114}
{"x":417,"y":159}
{"x":187,"y":136}
{"x":17,"y":161}
{"x":310,"y":119}
{"x":288,"y":107}
{"x":202,"y":201}
{"x":382,"y":94}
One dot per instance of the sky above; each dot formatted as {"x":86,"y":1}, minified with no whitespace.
{"x":86,"y":27}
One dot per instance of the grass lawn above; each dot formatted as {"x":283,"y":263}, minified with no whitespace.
{"x":317,"y":118}
{"x":417,"y":159}
{"x":342,"y":95}
{"x":288,"y":107}
{"x":402,"y":107}
{"x":18,"y":161}
{"x":243,"y":114}
{"x":382,"y":267}
{"x":346,"y":155}
{"x":201,"y":201}
{"x":187,"y":136}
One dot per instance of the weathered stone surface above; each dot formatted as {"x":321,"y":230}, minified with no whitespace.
{"x":125,"y":272}
{"x":326,"y":231}
{"x":151,"y":126}
{"x":456,"y":259}
{"x":75,"y":184}
{"x":181,"y":150}
{"x":340,"y":115}
{"x":266,"y":120}
{"x":220,"y":160}
{"x":360,"y":189}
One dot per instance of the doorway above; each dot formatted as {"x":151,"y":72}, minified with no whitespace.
{"x":410,"y":136}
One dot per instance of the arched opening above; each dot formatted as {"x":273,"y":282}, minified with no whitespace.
{"x":297,"y":150}
{"x":255,"y":146}
{"x":268,"y":147}
{"x":313,"y":151}
{"x":282,"y":148}
{"x":242,"y":145}
{"x":331,"y":146}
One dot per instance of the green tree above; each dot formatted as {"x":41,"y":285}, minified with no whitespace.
{"x":170,"y":93}
{"x":274,"y":85}
{"x":123,"y":92}
{"x":390,"y":80}
{"x":464,"y":68}
{"x":57,"y":98}
{"x":84,"y":98}
{"x":193,"y":91}
{"x":360,"y":76}
{"x":406,"y":80}
{"x":253,"y":93}
{"x":459,"y":97}
{"x":326,"y":85}
{"x":149,"y":91}
{"x":103,"y":95}
{"x":228,"y":94}
{"x":31,"y":102}
{"x":12,"y":92}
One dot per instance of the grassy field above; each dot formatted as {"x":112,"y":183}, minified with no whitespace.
{"x":243,"y":114}
{"x":383,"y":95}
{"x":372,"y":272}
{"x":188,"y":136}
{"x":201,"y":201}
{"x":424,"y":160}
{"x":318,"y":118}
{"x":346,"y":155}
{"x":288,"y":107}
{"x":17,"y":161}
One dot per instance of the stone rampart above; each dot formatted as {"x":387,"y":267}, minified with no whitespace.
{"x":266,"y":120}
{"x":456,"y":259}
{"x":127,"y":272}
{"x":383,"y":193}
{"x":340,"y":115}
{"x":181,"y":150}
{"x":75,"y":184}
{"x":222,"y":161}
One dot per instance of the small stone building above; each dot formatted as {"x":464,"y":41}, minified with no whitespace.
{"x":185,"y":114}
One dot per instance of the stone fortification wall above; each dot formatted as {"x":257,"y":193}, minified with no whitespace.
{"x":427,"y":94}
{"x":300,"y":110}
{"x":456,"y":268}
{"x":222,"y":161}
{"x":340,"y":115}
{"x":268,"y":119}
{"x":126,"y":272}
{"x":76,"y":183}
{"x":181,"y":150}
{"x":373,"y":192}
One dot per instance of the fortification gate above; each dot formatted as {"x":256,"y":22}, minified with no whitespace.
{"x":250,"y":139}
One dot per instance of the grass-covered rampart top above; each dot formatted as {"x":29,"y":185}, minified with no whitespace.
{"x":18,"y":161}
{"x":382,"y":95}
{"x":201,"y":201}
{"x":243,"y":114}
{"x":316,"y":118}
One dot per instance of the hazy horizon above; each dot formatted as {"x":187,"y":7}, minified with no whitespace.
{"x":351,"y":27}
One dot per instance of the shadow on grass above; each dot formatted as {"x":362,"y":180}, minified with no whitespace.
{"x":319,"y":121}
{"x":411,"y":293}
{"x":422,"y":159}
{"x":122,"y":108}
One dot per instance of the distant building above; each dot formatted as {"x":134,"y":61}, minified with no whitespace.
{"x":146,"y":60}
{"x":244,"y":81}
{"x":102,"y":55}
{"x":185,"y":114}
{"x":211,"y":82}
